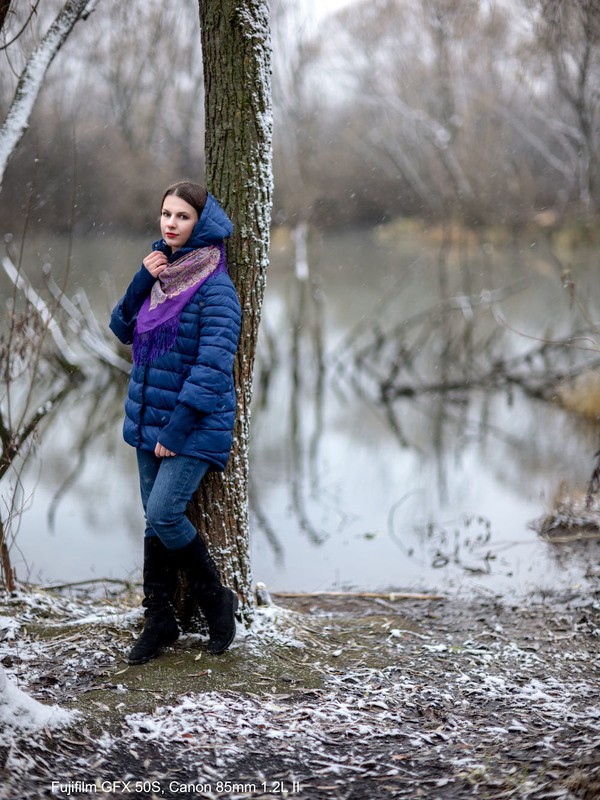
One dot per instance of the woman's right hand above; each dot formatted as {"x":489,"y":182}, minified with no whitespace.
{"x":155,"y":262}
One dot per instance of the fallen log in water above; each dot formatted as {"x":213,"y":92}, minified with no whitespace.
{"x":363,"y":595}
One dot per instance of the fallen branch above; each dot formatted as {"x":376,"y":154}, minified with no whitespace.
{"x":82,"y":322}
{"x":435,"y":360}
{"x":67,"y":356}
{"x":73,"y":584}
{"x":364,"y":595}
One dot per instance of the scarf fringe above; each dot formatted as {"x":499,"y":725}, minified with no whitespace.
{"x":154,"y":343}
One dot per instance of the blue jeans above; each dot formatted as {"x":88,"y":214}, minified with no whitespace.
{"x":167,"y":486}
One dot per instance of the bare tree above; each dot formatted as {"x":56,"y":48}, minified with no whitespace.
{"x":476,"y":109}
{"x":236,"y":53}
{"x":31,"y":78}
{"x":570,"y":35}
{"x":151,"y":83}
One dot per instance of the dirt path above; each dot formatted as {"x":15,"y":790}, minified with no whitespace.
{"x":327,"y":698}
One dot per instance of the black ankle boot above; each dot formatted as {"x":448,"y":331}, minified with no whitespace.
{"x":160,"y":627}
{"x":218,"y":603}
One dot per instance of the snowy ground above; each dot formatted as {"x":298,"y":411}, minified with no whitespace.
{"x":326,"y":698}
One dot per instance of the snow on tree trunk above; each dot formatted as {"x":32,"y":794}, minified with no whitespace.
{"x":32,"y":77}
{"x":237,"y":79}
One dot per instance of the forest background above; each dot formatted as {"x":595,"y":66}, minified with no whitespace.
{"x":480,"y":112}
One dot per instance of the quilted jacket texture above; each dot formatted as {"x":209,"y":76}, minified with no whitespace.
{"x":185,"y":399}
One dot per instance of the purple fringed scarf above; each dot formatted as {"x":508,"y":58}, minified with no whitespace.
{"x":158,"y":321}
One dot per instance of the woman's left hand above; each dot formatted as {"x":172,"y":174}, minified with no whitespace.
{"x":160,"y":451}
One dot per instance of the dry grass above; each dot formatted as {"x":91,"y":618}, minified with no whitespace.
{"x":343,"y":697}
{"x":582,"y":395}
{"x":571,"y":517}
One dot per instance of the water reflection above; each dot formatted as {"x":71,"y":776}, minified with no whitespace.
{"x":101,"y":413}
{"x":351,"y":486}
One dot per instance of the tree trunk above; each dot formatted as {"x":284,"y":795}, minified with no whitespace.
{"x":237,"y":81}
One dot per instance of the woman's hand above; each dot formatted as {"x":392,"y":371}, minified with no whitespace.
{"x":160,"y":451}
{"x":155,"y":262}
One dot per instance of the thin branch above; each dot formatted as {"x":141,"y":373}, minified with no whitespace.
{"x":4,"y":6}
{"x":4,"y":9}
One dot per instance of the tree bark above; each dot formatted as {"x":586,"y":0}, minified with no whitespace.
{"x":238,"y":151}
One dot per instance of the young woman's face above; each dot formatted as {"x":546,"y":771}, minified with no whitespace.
{"x":177,"y":220}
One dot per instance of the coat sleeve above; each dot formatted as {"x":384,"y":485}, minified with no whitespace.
{"x":124,"y":315}
{"x":210,"y":378}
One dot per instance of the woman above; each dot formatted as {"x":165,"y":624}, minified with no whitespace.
{"x":182,"y":316}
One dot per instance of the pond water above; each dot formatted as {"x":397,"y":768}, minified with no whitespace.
{"x":431,"y":491}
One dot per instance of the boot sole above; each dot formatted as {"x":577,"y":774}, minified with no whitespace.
{"x":135,"y":661}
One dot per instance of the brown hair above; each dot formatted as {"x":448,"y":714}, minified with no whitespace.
{"x":192,"y":193}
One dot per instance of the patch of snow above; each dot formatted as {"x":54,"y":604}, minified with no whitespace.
{"x":436,"y":648}
{"x":109,"y":615}
{"x":273,"y":624}
{"x":208,"y":715}
{"x":8,"y":628}
{"x":21,"y":713}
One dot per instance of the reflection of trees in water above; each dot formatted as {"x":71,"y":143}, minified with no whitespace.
{"x":440,"y":379}
{"x":306,"y":323}
{"x":449,"y":361}
{"x":456,"y":345}
{"x":103,"y":405}
{"x":306,"y":388}
{"x":585,"y":553}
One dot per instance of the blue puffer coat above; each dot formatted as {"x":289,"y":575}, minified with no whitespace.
{"x":185,"y":399}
